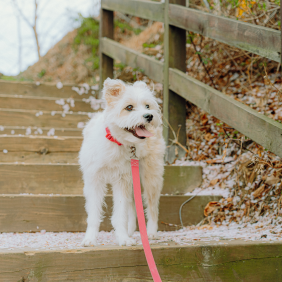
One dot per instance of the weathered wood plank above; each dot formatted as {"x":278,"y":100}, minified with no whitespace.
{"x":256,"y":126}
{"x":106,"y":30}
{"x":174,"y":106}
{"x":67,"y":179}
{"x":115,"y":50}
{"x":11,"y":117}
{"x":144,"y":9}
{"x":23,"y":213}
{"x":234,"y":261}
{"x":253,"y":38}
{"x":39,"y":149}
{"x":40,"y":144}
{"x":41,"y":103}
{"x":38,"y":158}
{"x":42,"y":90}
{"x":21,"y":130}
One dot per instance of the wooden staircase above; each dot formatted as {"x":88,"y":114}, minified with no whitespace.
{"x":41,"y":189}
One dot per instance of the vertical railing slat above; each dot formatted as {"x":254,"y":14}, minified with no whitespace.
{"x":174,"y":106}
{"x":106,"y":30}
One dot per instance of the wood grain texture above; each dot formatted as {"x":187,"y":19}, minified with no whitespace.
{"x":9,"y":117}
{"x":39,"y":158}
{"x":23,"y":129}
{"x":40,"y":144}
{"x":253,"y":38}
{"x":42,"y":90}
{"x":144,"y":9}
{"x":24,"y":213}
{"x":174,"y":109}
{"x":40,"y":103}
{"x":115,"y":50}
{"x":67,"y":179}
{"x":106,"y":30}
{"x":234,"y":261}
{"x":249,"y":122}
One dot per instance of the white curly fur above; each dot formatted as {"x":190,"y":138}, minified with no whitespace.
{"x":103,"y":162}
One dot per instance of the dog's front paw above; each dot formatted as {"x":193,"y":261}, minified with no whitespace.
{"x":89,"y":242}
{"x":126,"y":241}
{"x":153,"y":236}
{"x":131,"y":228}
{"x":152,"y":229}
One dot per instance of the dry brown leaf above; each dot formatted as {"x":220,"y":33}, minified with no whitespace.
{"x":206,"y":226}
{"x":201,"y":157}
{"x":222,"y":185}
{"x":210,"y":207}
{"x":214,"y":181}
{"x":208,"y":136}
{"x":259,"y":191}
{"x":229,"y":200}
{"x":205,"y":121}
{"x":214,"y":161}
{"x":270,"y":180}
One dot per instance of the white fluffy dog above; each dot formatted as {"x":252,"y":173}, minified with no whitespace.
{"x":131,"y":118}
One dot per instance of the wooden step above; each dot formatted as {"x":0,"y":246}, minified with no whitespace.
{"x":233,"y":260}
{"x":9,"y":117}
{"x":25,"y":213}
{"x":39,"y":149}
{"x":22,"y":130}
{"x":40,"y":144}
{"x":42,"y":90}
{"x":39,"y":158}
{"x":67,"y":179}
{"x":42,"y":103}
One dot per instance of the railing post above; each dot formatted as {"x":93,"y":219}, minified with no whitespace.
{"x":174,"y":106}
{"x":106,"y":30}
{"x":281,"y":35}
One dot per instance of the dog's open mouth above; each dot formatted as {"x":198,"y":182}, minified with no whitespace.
{"x":139,"y":131}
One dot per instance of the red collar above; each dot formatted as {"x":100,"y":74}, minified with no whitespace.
{"x":110,"y":137}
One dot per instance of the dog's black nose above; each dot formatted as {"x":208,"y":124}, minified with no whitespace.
{"x":148,"y":117}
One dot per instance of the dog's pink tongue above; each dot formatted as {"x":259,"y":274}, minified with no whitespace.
{"x":142,"y":132}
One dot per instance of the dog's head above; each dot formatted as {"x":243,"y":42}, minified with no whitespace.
{"x":132,"y":111}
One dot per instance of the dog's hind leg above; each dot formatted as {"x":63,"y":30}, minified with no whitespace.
{"x":122,"y":191}
{"x":152,"y":181}
{"x":94,"y":192}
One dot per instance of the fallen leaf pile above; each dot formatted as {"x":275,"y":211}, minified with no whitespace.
{"x":245,"y":173}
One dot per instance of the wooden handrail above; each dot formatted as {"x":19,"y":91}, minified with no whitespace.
{"x":144,"y":9}
{"x":248,"y":121}
{"x":259,"y":40}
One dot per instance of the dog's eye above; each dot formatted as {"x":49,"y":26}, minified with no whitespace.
{"x":129,"y":108}
{"x":147,"y":107}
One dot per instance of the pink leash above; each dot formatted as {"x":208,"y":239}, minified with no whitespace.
{"x":141,"y":219}
{"x":139,"y":209}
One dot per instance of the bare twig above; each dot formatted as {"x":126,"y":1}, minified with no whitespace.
{"x":269,"y":81}
{"x":175,"y":140}
{"x":200,"y":58}
{"x":33,"y":26}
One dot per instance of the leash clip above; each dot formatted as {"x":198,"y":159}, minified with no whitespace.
{"x":133,"y":153}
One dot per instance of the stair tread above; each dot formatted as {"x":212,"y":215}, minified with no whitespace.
{"x":12,"y":117}
{"x":44,"y":103}
{"x":67,"y":178}
{"x":24,"y":213}
{"x":43,"y":89}
{"x":235,"y":260}
{"x":75,"y":239}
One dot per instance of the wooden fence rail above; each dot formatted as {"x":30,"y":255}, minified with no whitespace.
{"x":178,"y":86}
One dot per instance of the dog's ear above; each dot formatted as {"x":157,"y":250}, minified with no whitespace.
{"x":113,"y":88}
{"x":140,"y":84}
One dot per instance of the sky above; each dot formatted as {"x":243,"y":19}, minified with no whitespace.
{"x":55,"y":19}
